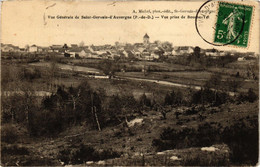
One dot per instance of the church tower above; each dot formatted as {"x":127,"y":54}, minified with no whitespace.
{"x":146,"y":39}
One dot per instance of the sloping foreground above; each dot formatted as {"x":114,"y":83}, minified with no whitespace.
{"x":204,"y":156}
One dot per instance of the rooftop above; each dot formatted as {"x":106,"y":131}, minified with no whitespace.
{"x":146,"y":36}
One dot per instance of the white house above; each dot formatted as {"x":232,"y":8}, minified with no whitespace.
{"x":155,"y":56}
{"x":183,"y":50}
{"x":174,"y":52}
{"x":33,"y":48}
{"x":125,"y":54}
{"x":211,"y":54}
{"x":76,"y":51}
{"x":56,"y":48}
{"x":241,"y":59}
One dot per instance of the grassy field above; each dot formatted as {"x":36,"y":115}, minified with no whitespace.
{"x":166,"y":71}
{"x":192,"y":78}
{"x":164,"y":66}
{"x":183,"y":74}
{"x":189,"y":78}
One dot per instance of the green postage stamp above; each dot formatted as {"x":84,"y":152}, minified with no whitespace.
{"x":233,"y":24}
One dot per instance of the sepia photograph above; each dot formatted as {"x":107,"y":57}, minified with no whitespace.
{"x":130,"y":83}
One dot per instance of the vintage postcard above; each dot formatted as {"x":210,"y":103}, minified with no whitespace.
{"x":136,"y":83}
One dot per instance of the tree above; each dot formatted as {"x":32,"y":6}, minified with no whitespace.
{"x":109,"y":67}
{"x":144,"y":101}
{"x":86,"y":100}
{"x":167,"y":46}
{"x":233,"y":84}
{"x":64,"y":49}
{"x":173,"y":98}
{"x":159,"y":52}
{"x":81,"y":44}
{"x":168,"y":99}
{"x":178,"y":98}
{"x":52,"y":70}
{"x":196,"y":52}
{"x":26,"y":47}
{"x":18,"y":107}
{"x":157,"y":42}
{"x":6,"y":77}
{"x":65,"y":46}
{"x":77,"y":56}
{"x":252,"y":96}
{"x":252,"y":70}
{"x":116,"y":43}
{"x":69,"y":107}
{"x":113,"y":116}
{"x":214,"y":83}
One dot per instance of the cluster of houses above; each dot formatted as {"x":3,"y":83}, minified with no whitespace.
{"x":141,"y":51}
{"x":11,"y":48}
{"x":213,"y":53}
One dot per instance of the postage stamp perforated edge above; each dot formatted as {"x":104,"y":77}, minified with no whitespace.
{"x":250,"y":26}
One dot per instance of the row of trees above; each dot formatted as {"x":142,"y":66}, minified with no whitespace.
{"x":69,"y":107}
{"x":18,"y":77}
{"x":198,"y":59}
{"x":215,"y":91}
{"x":202,"y":61}
{"x":216,"y":82}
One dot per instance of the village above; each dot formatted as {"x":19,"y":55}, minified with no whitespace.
{"x":148,"y":51}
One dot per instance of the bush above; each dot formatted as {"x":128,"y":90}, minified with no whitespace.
{"x":171,"y":139}
{"x":82,"y":153}
{"x":202,"y":158}
{"x":118,"y":107}
{"x":144,"y":101}
{"x":241,"y":138}
{"x":48,"y":123}
{"x":191,"y":111}
{"x":14,"y":150}
{"x":207,"y":96}
{"x":30,"y":74}
{"x":250,"y":96}
{"x":108,"y":154}
{"x":9,"y":133}
{"x":173,"y":98}
{"x":68,"y":106}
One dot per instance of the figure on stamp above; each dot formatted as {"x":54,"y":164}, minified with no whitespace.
{"x":231,"y":22}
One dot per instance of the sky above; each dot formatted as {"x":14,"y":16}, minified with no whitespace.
{"x":28,"y":22}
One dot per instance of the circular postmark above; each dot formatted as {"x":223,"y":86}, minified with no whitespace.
{"x":220,"y":23}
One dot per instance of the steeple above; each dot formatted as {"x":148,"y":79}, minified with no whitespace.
{"x":146,"y":39}
{"x":146,"y":36}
